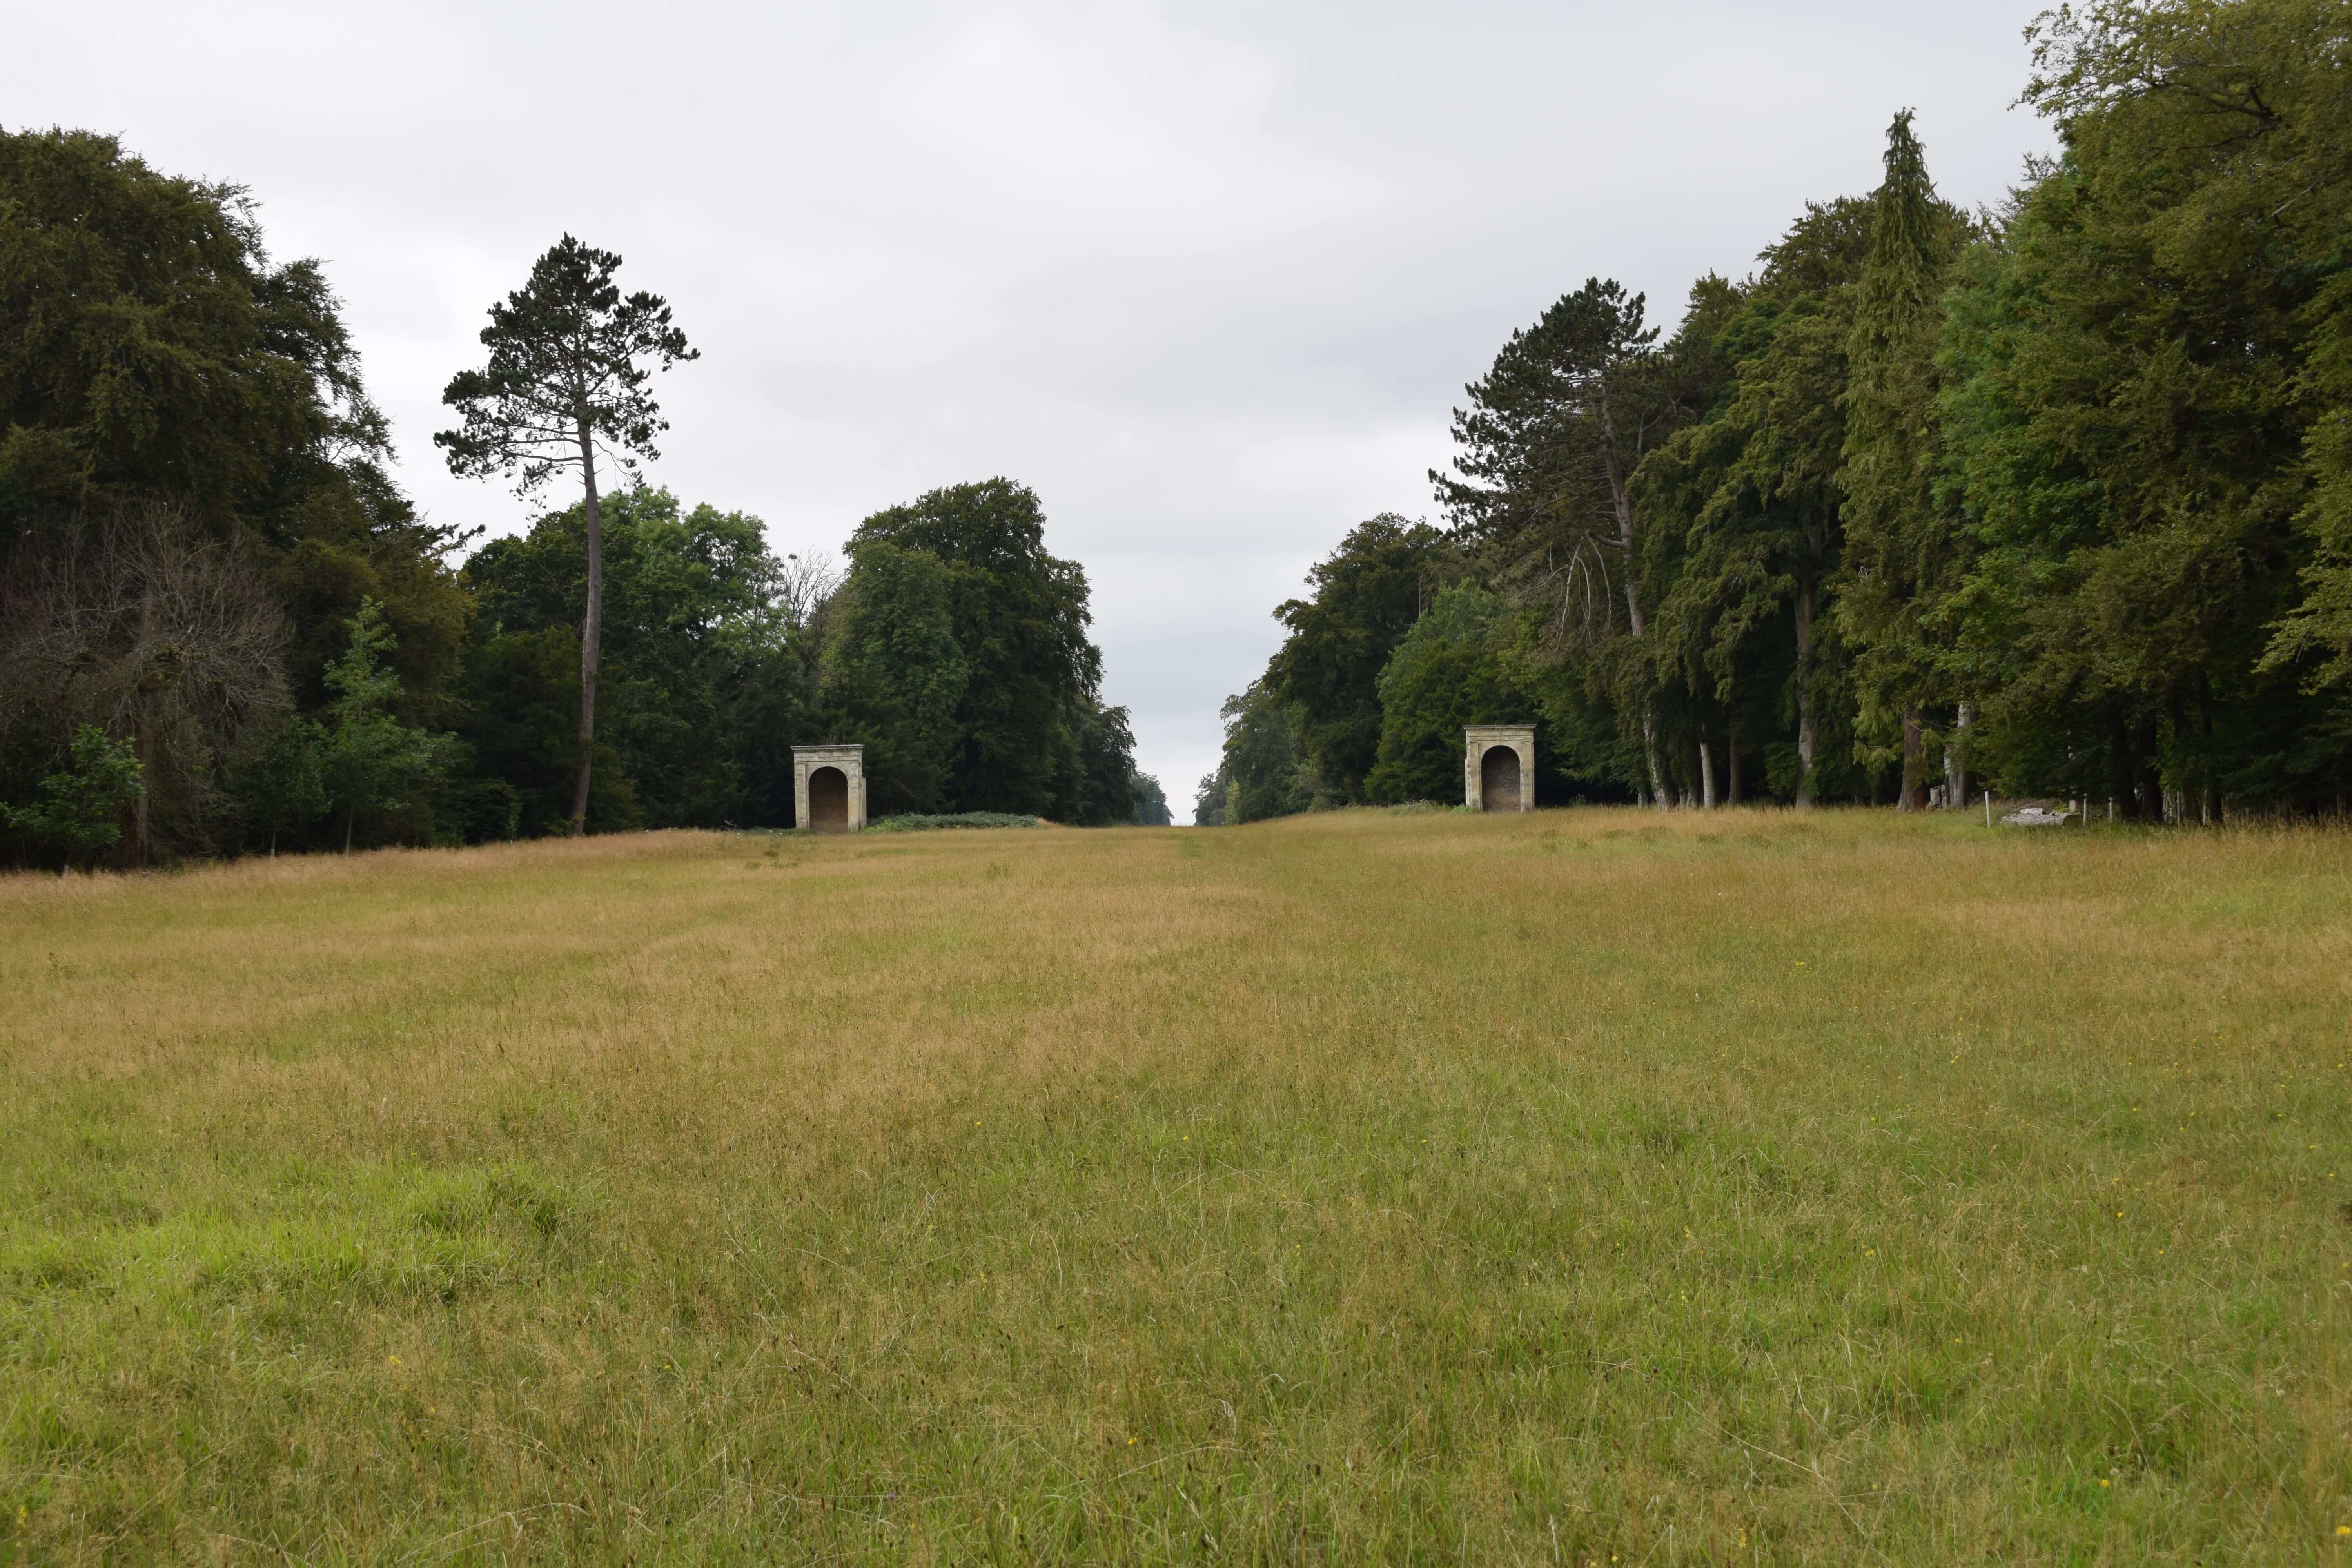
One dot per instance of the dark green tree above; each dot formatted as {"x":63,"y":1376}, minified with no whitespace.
{"x":1029,"y":730}
{"x":1150,"y":802}
{"x":161,"y":376}
{"x":1753,"y":490}
{"x":570,"y":359}
{"x":159,"y":358}
{"x":368,"y":760}
{"x":1448,"y":672}
{"x":1367,"y":592}
{"x":154,"y":351}
{"x":1209,"y":800}
{"x":2138,"y":414}
{"x":81,"y":808}
{"x":700,"y":673}
{"x":1263,"y":771}
{"x":1547,"y":450}
{"x":283,"y":788}
{"x":1103,"y":790}
{"x":1903,"y":552}
{"x":518,"y":714}
{"x":897,"y":667}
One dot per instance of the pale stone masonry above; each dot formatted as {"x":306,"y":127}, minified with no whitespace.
{"x":829,"y":788}
{"x":1498,"y":767}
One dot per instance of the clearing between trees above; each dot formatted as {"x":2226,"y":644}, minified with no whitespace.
{"x":1586,"y":1186}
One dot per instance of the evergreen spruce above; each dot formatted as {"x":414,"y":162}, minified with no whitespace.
{"x":1897,"y":547}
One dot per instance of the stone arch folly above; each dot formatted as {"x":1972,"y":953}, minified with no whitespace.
{"x":1498,"y":767}
{"x":829,"y":788}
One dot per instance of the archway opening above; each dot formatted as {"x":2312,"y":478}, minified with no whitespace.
{"x":1498,"y":779}
{"x":829,"y":800}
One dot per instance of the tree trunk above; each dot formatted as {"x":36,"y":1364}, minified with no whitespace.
{"x":2120,"y":775}
{"x":1621,"y":501}
{"x":2150,"y":773}
{"x":1915,"y":762}
{"x":1706,"y":774}
{"x":351,"y":812}
{"x":1658,"y":796}
{"x":1809,"y":723}
{"x":592,"y":630}
{"x":1731,"y":764}
{"x":1956,"y":760}
{"x":2212,"y":789}
{"x":139,"y":808}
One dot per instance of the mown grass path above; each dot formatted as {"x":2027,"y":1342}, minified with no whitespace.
{"x":1584,"y":1187}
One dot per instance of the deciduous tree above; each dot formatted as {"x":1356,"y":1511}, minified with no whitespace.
{"x":81,"y":807}
{"x":146,"y":626}
{"x":696,"y":619}
{"x":1446,"y":673}
{"x":1367,"y":592}
{"x":1754,"y":487}
{"x":1029,"y":726}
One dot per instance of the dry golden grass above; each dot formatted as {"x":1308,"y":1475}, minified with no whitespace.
{"x":1582,"y":1188}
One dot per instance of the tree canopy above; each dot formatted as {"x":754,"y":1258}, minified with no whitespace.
{"x":202,"y":560}
{"x":963,"y":648}
{"x":1368,"y":594}
{"x":2054,"y":497}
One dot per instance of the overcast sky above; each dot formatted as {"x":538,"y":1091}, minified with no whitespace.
{"x":1208,"y":277}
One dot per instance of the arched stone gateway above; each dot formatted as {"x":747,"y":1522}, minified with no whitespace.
{"x":829,"y":788}
{"x":1498,"y":767}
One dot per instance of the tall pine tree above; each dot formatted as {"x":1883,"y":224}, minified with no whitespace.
{"x":1899,"y":547}
{"x":569,"y":360}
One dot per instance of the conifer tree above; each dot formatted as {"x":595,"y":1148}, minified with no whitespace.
{"x":369,"y":760}
{"x":1897,"y":545}
{"x":1547,"y":450}
{"x":568,"y":362}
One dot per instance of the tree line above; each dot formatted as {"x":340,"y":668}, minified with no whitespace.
{"x":2054,"y":497}
{"x":224,"y":629}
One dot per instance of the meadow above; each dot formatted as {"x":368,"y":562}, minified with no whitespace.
{"x":1587,"y":1187}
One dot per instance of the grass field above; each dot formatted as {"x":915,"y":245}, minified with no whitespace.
{"x":1586,"y":1187}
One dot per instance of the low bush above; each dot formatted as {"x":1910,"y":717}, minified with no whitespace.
{"x":913,"y":822}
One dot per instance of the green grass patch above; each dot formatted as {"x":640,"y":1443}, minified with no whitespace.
{"x":1716,"y":1188}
